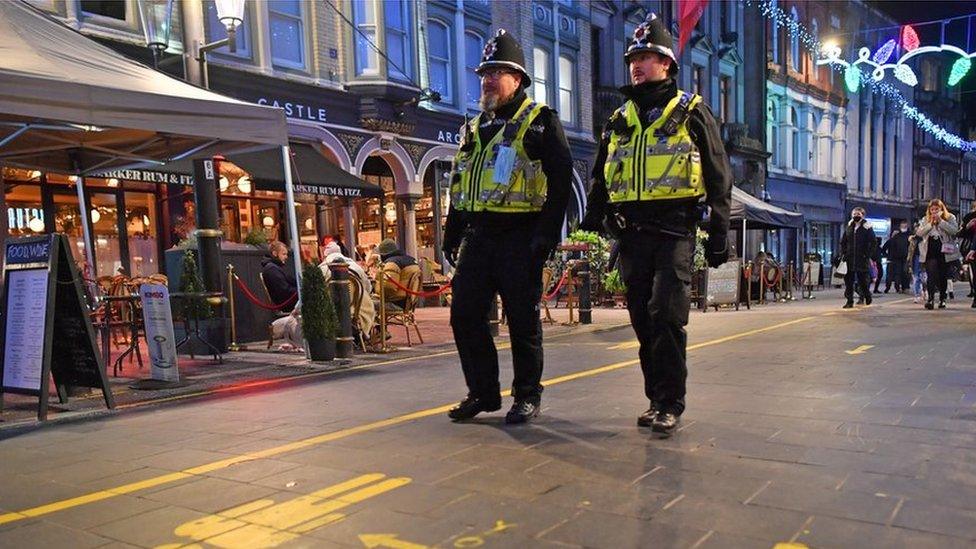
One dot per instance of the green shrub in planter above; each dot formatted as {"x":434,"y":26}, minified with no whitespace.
{"x":614,"y":283}
{"x":256,"y":237}
{"x":319,"y":321}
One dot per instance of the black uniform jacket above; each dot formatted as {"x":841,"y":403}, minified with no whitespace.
{"x":671,"y":215}
{"x":544,"y":141}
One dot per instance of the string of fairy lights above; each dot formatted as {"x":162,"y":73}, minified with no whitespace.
{"x":855,"y":78}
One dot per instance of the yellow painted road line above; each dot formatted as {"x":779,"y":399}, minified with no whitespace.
{"x":329,"y":437}
{"x":860,"y":350}
{"x":635,"y":344}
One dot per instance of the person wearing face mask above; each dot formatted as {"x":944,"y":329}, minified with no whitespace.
{"x":857,"y":247}
{"x":896,"y":250}
{"x":661,"y":161}
{"x":937,"y":248}
{"x":510,"y":186}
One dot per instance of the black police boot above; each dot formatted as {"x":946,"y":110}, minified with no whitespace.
{"x":868,"y":299}
{"x":647,"y":418}
{"x":849,"y":304}
{"x":471,"y":406}
{"x":522,"y":411}
{"x":665,"y":423}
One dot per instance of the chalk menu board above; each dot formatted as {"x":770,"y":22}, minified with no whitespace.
{"x":42,"y":299}
{"x":722,"y":285}
{"x":26,"y":308}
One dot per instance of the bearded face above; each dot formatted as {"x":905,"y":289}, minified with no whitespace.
{"x":498,"y":87}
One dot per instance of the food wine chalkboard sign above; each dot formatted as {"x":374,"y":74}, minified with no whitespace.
{"x":42,"y":297}
{"x":722,"y":285}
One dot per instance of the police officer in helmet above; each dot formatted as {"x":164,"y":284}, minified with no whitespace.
{"x":510,"y":186}
{"x":661,"y":161}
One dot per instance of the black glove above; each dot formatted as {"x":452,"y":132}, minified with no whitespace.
{"x":451,"y":255}
{"x":716,"y":251}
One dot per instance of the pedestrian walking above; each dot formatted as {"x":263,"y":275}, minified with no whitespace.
{"x":877,"y":269}
{"x":660,"y":156}
{"x":857,"y":247}
{"x":937,"y":249}
{"x":510,"y":186}
{"x":917,"y":269}
{"x":895,"y":249}
{"x":967,"y":248}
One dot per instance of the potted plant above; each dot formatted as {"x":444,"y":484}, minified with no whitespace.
{"x":196,"y":311}
{"x":319,"y":321}
{"x":613,"y":283}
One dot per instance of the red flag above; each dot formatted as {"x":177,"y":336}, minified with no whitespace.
{"x":689,"y":12}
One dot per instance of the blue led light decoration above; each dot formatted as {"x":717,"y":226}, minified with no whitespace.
{"x":856,"y":79}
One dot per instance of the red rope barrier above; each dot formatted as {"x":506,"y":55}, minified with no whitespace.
{"x":257,"y":301}
{"x":432,"y":293}
{"x":558,"y":287}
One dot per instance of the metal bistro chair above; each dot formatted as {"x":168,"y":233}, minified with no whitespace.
{"x":277,"y":314}
{"x":405,"y":316}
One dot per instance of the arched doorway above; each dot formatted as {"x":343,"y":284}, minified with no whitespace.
{"x":377,"y":218}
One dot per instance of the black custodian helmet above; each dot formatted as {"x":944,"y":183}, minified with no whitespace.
{"x":652,"y":36}
{"x":504,"y":52}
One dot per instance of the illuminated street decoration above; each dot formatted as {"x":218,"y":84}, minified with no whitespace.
{"x":829,"y":54}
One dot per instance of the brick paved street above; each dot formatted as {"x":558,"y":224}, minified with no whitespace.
{"x":805,"y":424}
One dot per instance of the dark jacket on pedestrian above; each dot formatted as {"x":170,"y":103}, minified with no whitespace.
{"x":280,"y":282}
{"x":858,"y":245}
{"x":967,"y":234}
{"x":679,"y":216}
{"x":545,"y":141}
{"x":896,"y":248}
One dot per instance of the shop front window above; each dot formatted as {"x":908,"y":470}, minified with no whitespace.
{"x":141,"y":233}
{"x":307,"y":234}
{"x":377,"y":218}
{"x":68,"y":221}
{"x":103,"y":214}
{"x":25,"y":212}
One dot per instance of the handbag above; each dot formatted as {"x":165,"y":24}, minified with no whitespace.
{"x":841,"y":268}
{"x":950,"y":248}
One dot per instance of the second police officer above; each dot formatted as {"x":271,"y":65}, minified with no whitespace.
{"x":510,"y":187}
{"x":660,"y":161}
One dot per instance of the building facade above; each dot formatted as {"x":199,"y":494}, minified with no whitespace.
{"x":938,"y":170}
{"x":380,"y":88}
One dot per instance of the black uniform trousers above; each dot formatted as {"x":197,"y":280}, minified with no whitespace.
{"x":863,"y":279}
{"x":498,"y":261}
{"x":657,"y":271}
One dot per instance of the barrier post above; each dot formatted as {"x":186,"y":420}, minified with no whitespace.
{"x":762,"y":283}
{"x":749,"y":285}
{"x":340,"y":296}
{"x":380,"y":275}
{"x":233,"y":311}
{"x":585,"y":305}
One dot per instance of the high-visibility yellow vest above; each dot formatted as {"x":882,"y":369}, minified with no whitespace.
{"x":643,"y":166}
{"x":473,"y":185}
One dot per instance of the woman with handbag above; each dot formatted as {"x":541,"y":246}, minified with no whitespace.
{"x":937,"y":248}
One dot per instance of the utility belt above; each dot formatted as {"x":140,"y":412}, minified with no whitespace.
{"x":618,"y":225}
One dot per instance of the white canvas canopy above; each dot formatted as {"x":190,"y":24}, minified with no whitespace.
{"x":64,"y":95}
{"x":71,"y":105}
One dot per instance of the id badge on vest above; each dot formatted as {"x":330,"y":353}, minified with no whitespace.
{"x":504,"y":163}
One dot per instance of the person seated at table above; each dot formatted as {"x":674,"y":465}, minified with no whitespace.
{"x":278,"y":278}
{"x":397,"y":266}
{"x":367,"y":313}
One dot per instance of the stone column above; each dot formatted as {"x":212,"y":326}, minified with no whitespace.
{"x":889,"y":158}
{"x":877,"y":139}
{"x":409,"y":202}
{"x":349,"y":223}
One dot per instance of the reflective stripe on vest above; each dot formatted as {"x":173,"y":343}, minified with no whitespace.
{"x":643,"y":166}
{"x":473,"y":186}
